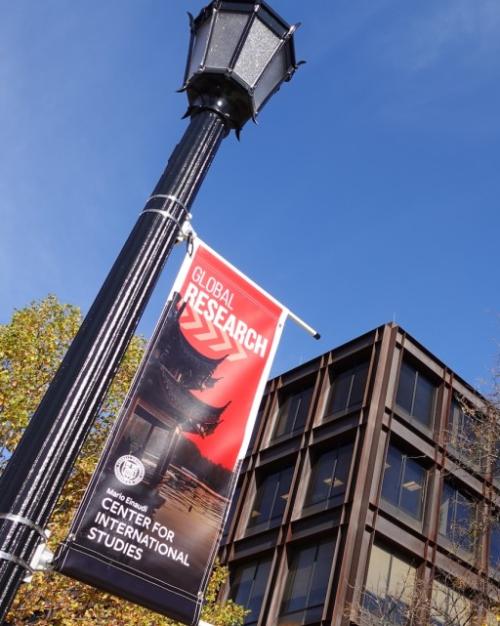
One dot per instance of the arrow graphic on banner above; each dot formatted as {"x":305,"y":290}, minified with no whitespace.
{"x":208,"y":336}
{"x":242,"y":354}
{"x":196,"y":323}
{"x":191,"y":320}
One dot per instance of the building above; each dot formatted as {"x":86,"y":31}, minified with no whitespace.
{"x":365,"y":496}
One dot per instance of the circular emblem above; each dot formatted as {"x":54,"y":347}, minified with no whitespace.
{"x":129,"y":470}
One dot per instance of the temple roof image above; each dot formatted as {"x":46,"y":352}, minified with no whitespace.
{"x":176,"y":368}
{"x":193,"y":369}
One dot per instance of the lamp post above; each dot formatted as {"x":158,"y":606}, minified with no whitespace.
{"x":240,"y":54}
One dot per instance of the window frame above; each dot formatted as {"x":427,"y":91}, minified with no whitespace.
{"x":494,"y":529}
{"x":261,"y":478}
{"x":429,"y":379}
{"x":306,"y":613}
{"x":329,"y":500}
{"x":282,"y":412}
{"x":471,"y":543}
{"x":351,"y":371}
{"x":406,"y":458}
{"x":389,"y":601}
{"x":265,"y":561}
{"x":448,"y":592}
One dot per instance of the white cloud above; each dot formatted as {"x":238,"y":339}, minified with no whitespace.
{"x":469,"y":30}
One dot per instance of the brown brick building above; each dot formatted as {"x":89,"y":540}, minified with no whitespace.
{"x":360,"y":500}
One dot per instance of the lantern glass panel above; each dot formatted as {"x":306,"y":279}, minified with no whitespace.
{"x":229,"y":27}
{"x":200,"y":44}
{"x":274,"y":74}
{"x":259,"y":47}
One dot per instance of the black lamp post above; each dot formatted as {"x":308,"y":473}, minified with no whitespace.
{"x":240,"y":54}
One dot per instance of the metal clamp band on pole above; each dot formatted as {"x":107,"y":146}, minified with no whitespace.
{"x":6,"y":556}
{"x":162,"y":211}
{"x":19,"y":519}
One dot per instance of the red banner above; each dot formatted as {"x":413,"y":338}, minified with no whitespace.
{"x":230,"y":320}
{"x":149,"y":526}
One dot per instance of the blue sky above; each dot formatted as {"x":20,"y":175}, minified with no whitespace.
{"x":368,"y":192}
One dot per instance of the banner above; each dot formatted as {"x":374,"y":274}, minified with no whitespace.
{"x":150,"y":523}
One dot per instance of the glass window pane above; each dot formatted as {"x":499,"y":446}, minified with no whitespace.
{"x":271,"y":497}
{"x":259,"y":587}
{"x":228,"y":29}
{"x":392,"y":476}
{"x":274,"y":74}
{"x":378,"y":572}
{"x":248,"y":584}
{"x":462,"y":528}
{"x":424,"y":400}
{"x":342,"y":467}
{"x":404,"y":482}
{"x":412,"y":488}
{"x":321,"y":574}
{"x":340,"y":393}
{"x":231,"y":512}
{"x":406,"y":386}
{"x":321,"y":478}
{"x":293,"y":410}
{"x":495,"y":546}
{"x":456,"y":517}
{"x":358,"y":386}
{"x":260,"y":45}
{"x":389,"y":587}
{"x":307,"y":583}
{"x":401,"y":581}
{"x":301,"y":409}
{"x":282,"y":492}
{"x":299,"y":576}
{"x":242,"y":584}
{"x":448,"y":607}
{"x":199,"y":47}
{"x":264,"y":500}
{"x":329,"y":476}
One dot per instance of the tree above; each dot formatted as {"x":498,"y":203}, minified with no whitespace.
{"x":31,"y":348}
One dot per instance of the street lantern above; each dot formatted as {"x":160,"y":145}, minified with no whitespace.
{"x":240,"y":54}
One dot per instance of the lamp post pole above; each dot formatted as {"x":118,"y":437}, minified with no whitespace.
{"x":46,"y":454}
{"x":221,"y":97}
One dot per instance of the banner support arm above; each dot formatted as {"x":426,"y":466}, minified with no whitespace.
{"x":300,"y":322}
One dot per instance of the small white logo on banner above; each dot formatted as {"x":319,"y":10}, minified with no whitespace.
{"x":129,"y":470}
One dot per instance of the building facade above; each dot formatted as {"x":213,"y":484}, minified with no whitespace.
{"x":368,"y":494}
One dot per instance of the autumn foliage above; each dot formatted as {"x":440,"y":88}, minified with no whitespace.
{"x":31,"y":348}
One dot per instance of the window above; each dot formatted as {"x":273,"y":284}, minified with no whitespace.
{"x":248,"y":584}
{"x":404,"y":482}
{"x":389,"y":588}
{"x":256,"y":426}
{"x":464,"y":426}
{"x":271,"y":498}
{"x":448,"y":607}
{"x":231,"y":512}
{"x":495,"y":470}
{"x":293,"y":410}
{"x":347,"y":390}
{"x":306,"y":584}
{"x":416,"y":394}
{"x":329,"y":476}
{"x":456,"y":517}
{"x":494,"y":556}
